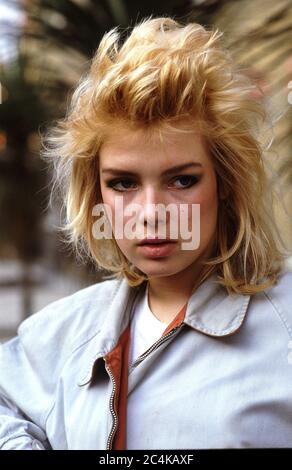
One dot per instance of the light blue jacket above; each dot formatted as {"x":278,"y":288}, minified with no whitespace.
{"x":221,"y":380}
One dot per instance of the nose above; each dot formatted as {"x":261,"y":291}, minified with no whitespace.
{"x":153,"y":208}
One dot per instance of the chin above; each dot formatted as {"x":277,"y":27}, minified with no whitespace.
{"x":160,"y":271}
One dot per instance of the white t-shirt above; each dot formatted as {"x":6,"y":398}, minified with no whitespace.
{"x":145,"y":327}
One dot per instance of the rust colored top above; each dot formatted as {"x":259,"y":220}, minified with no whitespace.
{"x":118,"y":360}
{"x":120,"y":437}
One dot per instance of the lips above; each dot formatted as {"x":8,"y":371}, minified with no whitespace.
{"x":157,"y":250}
{"x":155,"y":241}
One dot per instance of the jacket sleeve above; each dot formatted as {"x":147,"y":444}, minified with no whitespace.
{"x":22,"y":402}
{"x":30,"y":367}
{"x":32,"y":363}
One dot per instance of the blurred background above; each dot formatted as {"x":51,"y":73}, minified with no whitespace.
{"x":45,"y":47}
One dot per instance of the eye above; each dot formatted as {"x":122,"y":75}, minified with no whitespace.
{"x":187,"y":181}
{"x":126,"y":183}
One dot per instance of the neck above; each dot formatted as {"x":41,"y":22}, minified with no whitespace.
{"x":167,"y":295}
{"x":177,"y":286}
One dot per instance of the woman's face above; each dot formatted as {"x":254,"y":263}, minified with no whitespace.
{"x":140,"y":170}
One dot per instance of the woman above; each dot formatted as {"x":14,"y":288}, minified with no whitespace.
{"x":187,"y":344}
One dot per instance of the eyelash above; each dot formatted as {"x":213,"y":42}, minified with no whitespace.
{"x":193,"y":180}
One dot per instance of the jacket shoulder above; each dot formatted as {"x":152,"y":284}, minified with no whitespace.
{"x":69,"y":321}
{"x":280,"y":296}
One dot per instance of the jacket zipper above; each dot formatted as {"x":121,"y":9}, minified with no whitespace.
{"x":155,"y":346}
{"x":138,"y":360}
{"x":115,"y":418}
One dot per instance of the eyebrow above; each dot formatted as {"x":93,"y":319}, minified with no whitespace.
{"x":167,"y":172}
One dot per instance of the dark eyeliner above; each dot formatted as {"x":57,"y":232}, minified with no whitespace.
{"x":193,"y":179}
{"x":112,"y":183}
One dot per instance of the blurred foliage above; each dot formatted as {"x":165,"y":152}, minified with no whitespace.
{"x":259,"y":35}
{"x":60,"y":36}
{"x":21,"y":174}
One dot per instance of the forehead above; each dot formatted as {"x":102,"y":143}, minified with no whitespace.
{"x":127,"y":145}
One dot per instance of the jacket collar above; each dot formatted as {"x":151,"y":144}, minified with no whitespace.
{"x":210,"y":310}
{"x":116,"y":320}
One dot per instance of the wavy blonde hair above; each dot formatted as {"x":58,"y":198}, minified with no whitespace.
{"x":161,"y":73}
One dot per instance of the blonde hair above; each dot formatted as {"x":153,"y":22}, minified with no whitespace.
{"x":161,"y":73}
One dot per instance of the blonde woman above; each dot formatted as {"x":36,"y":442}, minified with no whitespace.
{"x":186,"y":343}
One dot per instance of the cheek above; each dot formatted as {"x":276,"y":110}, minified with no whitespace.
{"x":108,"y":199}
{"x":209,"y":212}
{"x":206,"y":197}
{"x":117,"y":216}
{"x":106,"y":194}
{"x":208,"y":202}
